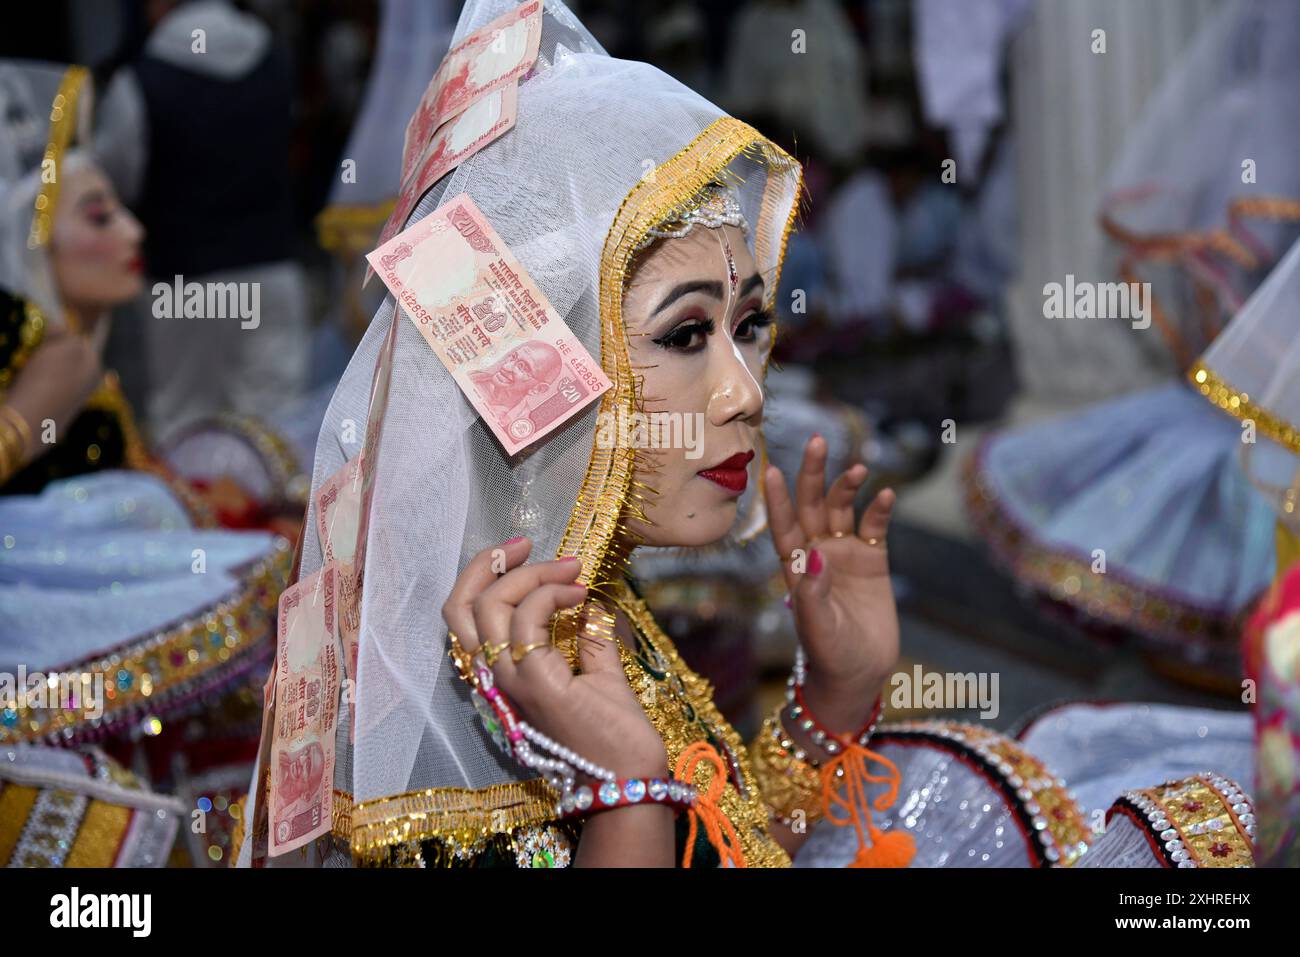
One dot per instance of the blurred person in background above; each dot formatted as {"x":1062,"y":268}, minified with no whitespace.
{"x":210,"y":96}
{"x":110,"y":566}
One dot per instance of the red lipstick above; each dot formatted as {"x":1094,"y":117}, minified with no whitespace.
{"x":731,"y":473}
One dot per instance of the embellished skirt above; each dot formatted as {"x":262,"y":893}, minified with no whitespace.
{"x":1134,"y":516}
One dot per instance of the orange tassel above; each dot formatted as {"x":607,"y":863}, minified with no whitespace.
{"x":894,"y":849}
{"x":717,"y":826}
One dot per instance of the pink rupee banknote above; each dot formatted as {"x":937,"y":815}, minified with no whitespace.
{"x":482,"y":314}
{"x":338,"y":505}
{"x":491,"y":57}
{"x":338,"y":518}
{"x":456,"y":141}
{"x":306,"y":702}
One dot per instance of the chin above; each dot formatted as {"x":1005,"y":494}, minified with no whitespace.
{"x":132,"y":285}
{"x":710,"y":525}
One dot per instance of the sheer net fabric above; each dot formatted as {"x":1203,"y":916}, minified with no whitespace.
{"x":1252,"y":371}
{"x":1183,"y":209}
{"x":602,"y":149}
{"x":44,"y":111}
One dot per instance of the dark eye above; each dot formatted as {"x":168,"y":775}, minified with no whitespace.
{"x":688,"y":337}
{"x":748,"y":329}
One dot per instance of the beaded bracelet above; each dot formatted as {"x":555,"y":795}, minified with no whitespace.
{"x":626,"y":792}
{"x":560,"y":765}
{"x":800,"y":713}
{"x":518,"y":738}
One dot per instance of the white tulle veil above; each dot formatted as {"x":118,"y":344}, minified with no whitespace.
{"x":1252,"y":372}
{"x":602,"y":150}
{"x":1205,"y":196}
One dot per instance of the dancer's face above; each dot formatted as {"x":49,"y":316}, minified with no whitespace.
{"x":94,"y":243}
{"x":698,"y":334}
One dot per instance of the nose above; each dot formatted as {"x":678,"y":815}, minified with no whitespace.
{"x":134,"y":229}
{"x":736,"y":393}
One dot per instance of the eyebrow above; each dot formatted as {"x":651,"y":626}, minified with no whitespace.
{"x":712,"y":287}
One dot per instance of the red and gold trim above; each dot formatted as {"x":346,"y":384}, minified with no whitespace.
{"x":1055,"y":831}
{"x":1200,"y":821}
{"x":165,"y":670}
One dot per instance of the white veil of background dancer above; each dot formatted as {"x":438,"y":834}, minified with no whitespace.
{"x":414,"y":36}
{"x":1252,"y":371}
{"x":591,"y":130}
{"x":1205,"y":195}
{"x":28,"y":94}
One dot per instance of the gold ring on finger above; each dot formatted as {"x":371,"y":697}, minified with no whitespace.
{"x":838,"y":534}
{"x":875,"y":542}
{"x":458,"y":653}
{"x":517,"y":652}
{"x":491,"y":652}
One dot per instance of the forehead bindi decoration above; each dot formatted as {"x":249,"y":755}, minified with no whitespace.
{"x":733,"y":277}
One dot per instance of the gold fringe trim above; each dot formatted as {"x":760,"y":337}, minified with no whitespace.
{"x":680,"y":705}
{"x":463,"y":817}
{"x":63,"y":121}
{"x":1240,"y":405}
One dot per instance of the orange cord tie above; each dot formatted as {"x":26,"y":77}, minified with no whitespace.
{"x":717,"y":826}
{"x":887,"y":849}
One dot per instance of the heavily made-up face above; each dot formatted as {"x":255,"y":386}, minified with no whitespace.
{"x":699,"y":334}
{"x":94,"y":243}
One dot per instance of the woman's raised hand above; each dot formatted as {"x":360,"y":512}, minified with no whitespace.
{"x":594,"y":712}
{"x":838,"y":578}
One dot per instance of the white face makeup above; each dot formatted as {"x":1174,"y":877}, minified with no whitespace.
{"x":94,"y":243}
{"x":699,"y":336}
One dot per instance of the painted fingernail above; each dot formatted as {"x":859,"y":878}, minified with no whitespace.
{"x":569,"y":558}
{"x":814,"y":563}
{"x":788,"y":602}
{"x":517,"y":538}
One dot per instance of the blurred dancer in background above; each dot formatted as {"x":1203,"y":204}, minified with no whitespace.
{"x":1149,"y":483}
{"x":210,"y":97}
{"x":111,"y":574}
